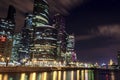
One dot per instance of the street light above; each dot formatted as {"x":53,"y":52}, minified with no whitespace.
{"x":7,"y":60}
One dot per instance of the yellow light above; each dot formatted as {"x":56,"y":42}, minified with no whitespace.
{"x":1,"y":76}
{"x":45,"y":76}
{"x":54,"y":75}
{"x":33,"y":76}
{"x":82,"y":75}
{"x":78,"y":77}
{"x":2,"y":59}
{"x":5,"y":77}
{"x":22,"y":76}
{"x":64,"y":75}
{"x":59,"y":75}
{"x":72,"y":75}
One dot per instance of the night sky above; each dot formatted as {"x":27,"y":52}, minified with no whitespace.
{"x":95,"y":23}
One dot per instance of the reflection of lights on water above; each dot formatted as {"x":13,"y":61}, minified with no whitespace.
{"x":86,"y":74}
{"x":22,"y":76}
{"x":112,"y":76}
{"x":82,"y":75}
{"x":78,"y":75}
{"x":5,"y":77}
{"x":90,"y":75}
{"x":44,"y":76}
{"x":59,"y":75}
{"x":39,"y":76}
{"x":32,"y":76}
{"x":0,"y":76}
{"x":72,"y":75}
{"x":64,"y":75}
{"x":54,"y":75}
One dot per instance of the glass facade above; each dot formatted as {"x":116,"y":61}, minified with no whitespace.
{"x":41,"y":13}
{"x":7,"y":28}
{"x":44,"y":35}
{"x":45,"y":40}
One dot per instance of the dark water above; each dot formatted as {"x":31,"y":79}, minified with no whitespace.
{"x":63,"y":75}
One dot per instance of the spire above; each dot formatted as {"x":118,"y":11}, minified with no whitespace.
{"x":11,"y":12}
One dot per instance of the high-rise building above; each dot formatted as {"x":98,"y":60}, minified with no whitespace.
{"x":26,"y":39}
{"x":7,"y":27}
{"x":16,"y":46}
{"x":59,"y":23}
{"x":70,"y":43}
{"x":44,"y":35}
{"x":40,"y":13}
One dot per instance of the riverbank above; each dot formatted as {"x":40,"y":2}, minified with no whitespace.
{"x":45,"y":69}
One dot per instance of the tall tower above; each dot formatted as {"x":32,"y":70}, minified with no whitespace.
{"x":7,"y":27}
{"x":26,"y":38}
{"x":70,"y":47}
{"x":59,"y":23}
{"x":44,"y":46}
{"x":41,"y":13}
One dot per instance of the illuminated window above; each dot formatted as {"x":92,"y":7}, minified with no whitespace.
{"x":2,"y":39}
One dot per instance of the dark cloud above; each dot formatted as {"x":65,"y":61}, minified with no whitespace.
{"x":110,"y":30}
{"x":63,"y":6}
{"x":84,"y":37}
{"x":23,"y":6}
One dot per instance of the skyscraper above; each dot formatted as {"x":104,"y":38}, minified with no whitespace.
{"x":59,"y":23}
{"x":7,"y":27}
{"x":41,"y":13}
{"x":44,"y":35}
{"x":26,"y":38}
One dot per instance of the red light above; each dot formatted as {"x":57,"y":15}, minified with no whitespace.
{"x":2,"y":39}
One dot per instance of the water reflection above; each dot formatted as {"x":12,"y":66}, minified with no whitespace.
{"x":112,"y":76}
{"x":22,"y":76}
{"x":59,"y":75}
{"x":55,"y":75}
{"x":62,"y":75}
{"x":78,"y":74}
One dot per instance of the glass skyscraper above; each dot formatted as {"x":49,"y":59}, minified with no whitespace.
{"x":44,"y":35}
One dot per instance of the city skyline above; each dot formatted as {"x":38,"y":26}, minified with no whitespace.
{"x":95,"y":26}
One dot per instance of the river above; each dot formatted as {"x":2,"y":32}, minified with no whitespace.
{"x":63,"y":75}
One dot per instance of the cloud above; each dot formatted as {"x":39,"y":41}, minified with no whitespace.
{"x":110,"y":31}
{"x":23,"y":6}
{"x":84,"y":37}
{"x":63,"y":6}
